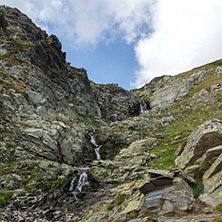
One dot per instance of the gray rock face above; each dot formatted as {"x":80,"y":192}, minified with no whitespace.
{"x":47,"y":107}
{"x":44,"y":69}
{"x":206,"y":136}
{"x":161,"y":193}
{"x":174,"y":90}
{"x":174,"y":198}
{"x":115,"y":102}
{"x":212,"y":180}
{"x":202,"y":156}
{"x":163,"y":91}
{"x":3,"y":23}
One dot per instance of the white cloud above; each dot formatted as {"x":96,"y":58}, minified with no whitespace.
{"x":87,"y":22}
{"x":187,"y":33}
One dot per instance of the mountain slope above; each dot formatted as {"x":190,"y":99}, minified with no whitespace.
{"x":74,"y":150}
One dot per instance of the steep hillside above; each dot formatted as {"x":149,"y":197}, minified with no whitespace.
{"x":74,"y":150}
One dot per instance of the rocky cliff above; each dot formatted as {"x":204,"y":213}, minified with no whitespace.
{"x":74,"y":150}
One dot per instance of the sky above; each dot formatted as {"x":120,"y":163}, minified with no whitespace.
{"x":130,"y":42}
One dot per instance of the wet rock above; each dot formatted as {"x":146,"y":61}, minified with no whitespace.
{"x":157,"y":180}
{"x":176,"y":197}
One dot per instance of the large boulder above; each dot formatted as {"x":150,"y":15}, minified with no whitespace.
{"x":202,"y":157}
{"x":206,"y":136}
{"x":138,"y":151}
{"x":160,"y":193}
{"x":167,"y":192}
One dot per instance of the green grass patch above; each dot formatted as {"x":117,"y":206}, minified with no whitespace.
{"x":198,"y":189}
{"x":4,"y":197}
{"x":26,"y":125}
{"x":186,"y":121}
{"x":6,"y":169}
{"x":217,"y":219}
{"x":219,"y":207}
{"x":18,"y":44}
{"x":31,"y":189}
{"x":52,"y":184}
{"x":10,"y":81}
{"x":217,"y":63}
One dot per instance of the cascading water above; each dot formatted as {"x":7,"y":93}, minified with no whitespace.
{"x":76,"y":189}
{"x":97,"y":153}
{"x":143,"y":107}
{"x":83,"y":181}
{"x":72,"y":184}
{"x":97,"y":147}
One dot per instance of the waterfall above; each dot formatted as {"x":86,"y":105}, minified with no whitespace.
{"x":97,"y":153}
{"x":83,"y":180}
{"x":143,"y":107}
{"x":92,"y":139}
{"x":72,"y":184}
{"x":97,"y":147}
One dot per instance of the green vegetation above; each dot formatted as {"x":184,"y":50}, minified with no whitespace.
{"x":188,"y":115}
{"x":119,"y":183}
{"x":133,"y":214}
{"x":31,"y":189}
{"x":24,"y":124}
{"x":119,"y":198}
{"x":18,"y":44}
{"x":217,"y":63}
{"x":217,"y":219}
{"x":4,"y":197}
{"x":139,"y":176}
{"x":10,"y":81}
{"x":10,"y":144}
{"x":6,"y":169}
{"x":6,"y":84}
{"x":198,"y":189}
{"x":219,"y":207}
{"x":52,"y":184}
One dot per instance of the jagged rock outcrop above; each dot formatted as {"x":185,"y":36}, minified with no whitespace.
{"x":50,"y":97}
{"x":115,"y":102}
{"x":26,"y":48}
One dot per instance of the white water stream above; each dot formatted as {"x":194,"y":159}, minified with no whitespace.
{"x":97,"y":147}
{"x":83,"y":181}
{"x":72,"y":184}
{"x":143,"y":107}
